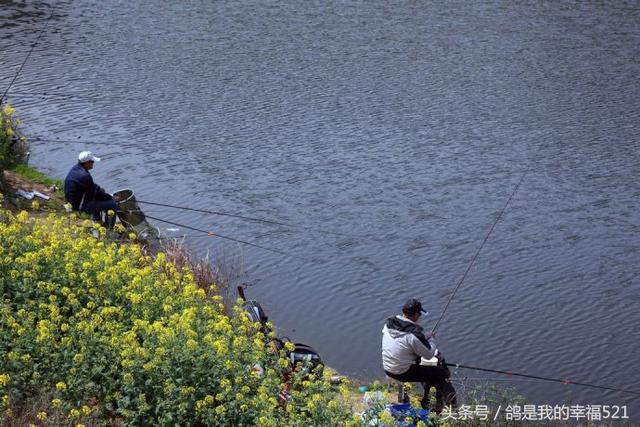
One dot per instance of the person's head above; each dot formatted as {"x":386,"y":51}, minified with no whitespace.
{"x":87,"y":159}
{"x":412,"y":309}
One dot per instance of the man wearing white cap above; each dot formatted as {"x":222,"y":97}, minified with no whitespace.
{"x":83,"y":194}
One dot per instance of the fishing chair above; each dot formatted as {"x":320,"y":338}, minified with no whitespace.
{"x":403,"y":396}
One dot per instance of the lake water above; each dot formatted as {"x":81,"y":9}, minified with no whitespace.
{"x":402,"y":126}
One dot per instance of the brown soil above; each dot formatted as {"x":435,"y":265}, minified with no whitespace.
{"x":15,"y":182}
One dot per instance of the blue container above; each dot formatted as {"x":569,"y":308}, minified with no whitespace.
{"x":402,"y":411}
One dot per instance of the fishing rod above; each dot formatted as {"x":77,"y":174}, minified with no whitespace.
{"x":536,"y":377}
{"x":69,"y":97}
{"x":248,"y":218}
{"x":68,"y":141}
{"x":51,"y":95}
{"x":27,"y":57}
{"x":38,"y":139}
{"x":475,"y":257}
{"x":212,"y":234}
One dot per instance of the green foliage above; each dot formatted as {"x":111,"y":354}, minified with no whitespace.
{"x":35,"y":176}
{"x":13,"y":146}
{"x":112,"y":336}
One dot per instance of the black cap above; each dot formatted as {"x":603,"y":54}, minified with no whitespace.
{"x":412,"y":306}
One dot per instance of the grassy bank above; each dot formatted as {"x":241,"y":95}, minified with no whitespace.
{"x":96,"y":331}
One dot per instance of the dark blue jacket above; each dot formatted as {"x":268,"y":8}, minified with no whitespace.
{"x":79,"y":184}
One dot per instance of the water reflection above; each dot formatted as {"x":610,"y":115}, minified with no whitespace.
{"x":405,"y":125}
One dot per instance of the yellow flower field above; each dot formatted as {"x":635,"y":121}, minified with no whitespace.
{"x":111,"y":336}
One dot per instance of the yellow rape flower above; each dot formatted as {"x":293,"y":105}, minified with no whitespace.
{"x":225,"y":384}
{"x":387,"y":418}
{"x":8,"y":110}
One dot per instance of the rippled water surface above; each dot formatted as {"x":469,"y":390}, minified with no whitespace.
{"x":404,"y":127}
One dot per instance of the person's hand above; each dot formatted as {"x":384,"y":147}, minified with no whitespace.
{"x":429,"y":335}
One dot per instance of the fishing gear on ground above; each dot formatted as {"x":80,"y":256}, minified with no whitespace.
{"x":304,"y":360}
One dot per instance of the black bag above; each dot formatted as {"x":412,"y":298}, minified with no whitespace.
{"x":255,"y":312}
{"x":306,"y":358}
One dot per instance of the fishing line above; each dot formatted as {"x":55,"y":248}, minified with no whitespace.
{"x":486,"y":379}
{"x":69,"y":97}
{"x":248,"y":218}
{"x":68,"y":141}
{"x":211,"y":234}
{"x":46,"y":24}
{"x":50,"y":95}
{"x":478,"y":252}
{"x":536,"y":377}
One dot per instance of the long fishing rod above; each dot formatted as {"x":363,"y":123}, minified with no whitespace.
{"x":536,"y":377}
{"x":38,"y":139}
{"x":50,"y":95}
{"x":248,"y":218}
{"x":475,"y":257}
{"x":67,"y":97}
{"x":68,"y":141}
{"x":212,"y":234}
{"x":33,"y":46}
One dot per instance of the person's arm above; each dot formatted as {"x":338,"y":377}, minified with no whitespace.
{"x":420,"y":349}
{"x":101,"y":194}
{"x":92,"y":191}
{"x":85,"y":182}
{"x":81,"y":188}
{"x":98,"y":192}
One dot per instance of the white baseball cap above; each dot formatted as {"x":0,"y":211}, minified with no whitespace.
{"x":87,"y":156}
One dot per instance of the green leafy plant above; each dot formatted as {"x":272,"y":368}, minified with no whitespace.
{"x":108,"y":334}
{"x":13,"y":145}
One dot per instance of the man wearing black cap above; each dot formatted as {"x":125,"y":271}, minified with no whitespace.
{"x":405,"y":345}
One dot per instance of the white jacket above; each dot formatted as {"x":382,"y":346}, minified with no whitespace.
{"x":401,"y":346}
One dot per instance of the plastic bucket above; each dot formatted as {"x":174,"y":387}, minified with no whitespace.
{"x":131,"y":215}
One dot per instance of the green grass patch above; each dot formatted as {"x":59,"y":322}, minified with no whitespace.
{"x":36,"y":176}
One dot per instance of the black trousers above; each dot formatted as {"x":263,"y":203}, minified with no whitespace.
{"x":430,"y":376}
{"x":95,"y":208}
